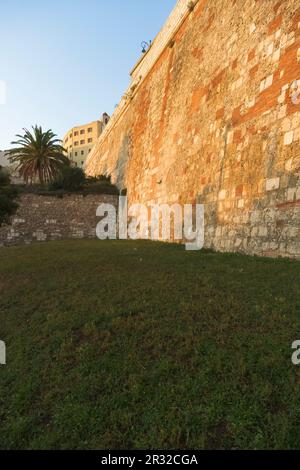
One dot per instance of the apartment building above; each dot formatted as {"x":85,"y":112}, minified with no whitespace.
{"x":79,"y":141}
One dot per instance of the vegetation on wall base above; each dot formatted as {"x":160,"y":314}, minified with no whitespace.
{"x":8,"y":194}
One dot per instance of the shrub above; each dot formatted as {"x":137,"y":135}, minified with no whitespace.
{"x":98,"y":179}
{"x":4,"y":177}
{"x":8,"y":193}
{"x":101,"y":188}
{"x":74,"y":179}
{"x":70,"y":179}
{"x":100,"y":185}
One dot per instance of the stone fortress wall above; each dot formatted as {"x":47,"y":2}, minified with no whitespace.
{"x":209,"y":118}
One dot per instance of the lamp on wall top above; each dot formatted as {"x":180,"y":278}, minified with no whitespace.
{"x":145,"y":46}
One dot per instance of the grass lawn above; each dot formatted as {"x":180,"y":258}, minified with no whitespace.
{"x":144,"y":345}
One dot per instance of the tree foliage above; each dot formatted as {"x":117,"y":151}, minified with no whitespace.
{"x":39,"y":155}
{"x":8,"y":193}
{"x":69,"y":179}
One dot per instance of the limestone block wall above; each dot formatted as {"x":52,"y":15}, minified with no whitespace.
{"x":44,"y":218}
{"x":210,"y":118}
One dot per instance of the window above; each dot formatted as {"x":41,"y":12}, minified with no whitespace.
{"x":90,"y":129}
{"x":82,"y":152}
{"x":82,"y":131}
{"x":90,"y":150}
{"x":76,"y":153}
{"x":90,"y":140}
{"x":76,"y":133}
{"x":70,"y":136}
{"x":76,"y":143}
{"x":82,"y":163}
{"x":82,"y":142}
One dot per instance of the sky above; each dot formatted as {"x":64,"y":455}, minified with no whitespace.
{"x":65,"y":62}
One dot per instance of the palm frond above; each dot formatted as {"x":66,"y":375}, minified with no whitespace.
{"x":38,"y":154}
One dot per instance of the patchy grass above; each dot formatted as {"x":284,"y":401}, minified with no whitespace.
{"x":144,"y":345}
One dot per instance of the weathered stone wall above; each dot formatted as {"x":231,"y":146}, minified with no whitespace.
{"x":209,"y":118}
{"x":42,"y":218}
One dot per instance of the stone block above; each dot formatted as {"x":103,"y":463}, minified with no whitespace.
{"x":272,"y":184}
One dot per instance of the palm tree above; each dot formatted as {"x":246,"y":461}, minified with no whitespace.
{"x":38,"y":155}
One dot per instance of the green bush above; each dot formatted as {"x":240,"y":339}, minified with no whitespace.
{"x":98,"y":179}
{"x":8,"y":193}
{"x":70,"y":179}
{"x":101,"y":188}
{"x":100,"y":184}
{"x":74,"y":179}
{"x":4,"y":177}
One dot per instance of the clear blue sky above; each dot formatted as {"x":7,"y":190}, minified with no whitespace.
{"x":67,"y":61}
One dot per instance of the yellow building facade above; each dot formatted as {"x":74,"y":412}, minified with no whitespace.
{"x":80,"y":140}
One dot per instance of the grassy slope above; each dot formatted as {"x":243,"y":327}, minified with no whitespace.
{"x":140,"y":345}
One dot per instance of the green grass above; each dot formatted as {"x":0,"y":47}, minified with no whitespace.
{"x":144,"y":345}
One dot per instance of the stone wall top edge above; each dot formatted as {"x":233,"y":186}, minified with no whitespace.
{"x":145,"y":64}
{"x":74,"y":196}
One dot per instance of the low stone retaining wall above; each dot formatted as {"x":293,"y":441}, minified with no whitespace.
{"x":43,"y":218}
{"x":273,"y":230}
